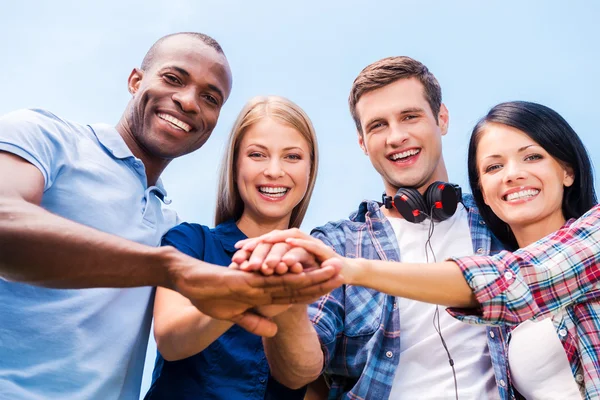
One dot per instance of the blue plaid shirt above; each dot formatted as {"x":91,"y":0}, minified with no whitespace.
{"x":359,"y":328}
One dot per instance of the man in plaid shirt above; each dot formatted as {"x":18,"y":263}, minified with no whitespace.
{"x":371,"y":345}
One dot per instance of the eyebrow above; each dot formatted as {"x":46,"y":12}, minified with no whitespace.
{"x":187,"y":75}
{"x":410,"y":110}
{"x":521,"y":149}
{"x":285,"y":149}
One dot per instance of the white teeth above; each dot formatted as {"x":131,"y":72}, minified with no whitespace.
{"x":174,"y":121}
{"x":273,"y":191}
{"x":405,"y":154}
{"x":523,"y":194}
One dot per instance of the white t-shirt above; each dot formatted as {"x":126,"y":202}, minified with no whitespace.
{"x":424,"y":371}
{"x":539,"y":366}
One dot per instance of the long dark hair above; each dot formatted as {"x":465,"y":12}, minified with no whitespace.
{"x":546,"y":127}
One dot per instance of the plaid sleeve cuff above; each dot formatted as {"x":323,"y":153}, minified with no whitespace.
{"x":503,"y":295}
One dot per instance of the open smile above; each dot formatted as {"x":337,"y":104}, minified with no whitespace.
{"x":273,"y":193}
{"x":175,"y":122}
{"x":404,"y":157}
{"x":520,"y":195}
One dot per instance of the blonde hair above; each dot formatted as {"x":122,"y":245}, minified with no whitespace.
{"x":229,"y":201}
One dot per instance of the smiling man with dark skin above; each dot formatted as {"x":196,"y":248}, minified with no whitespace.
{"x":81,"y":208}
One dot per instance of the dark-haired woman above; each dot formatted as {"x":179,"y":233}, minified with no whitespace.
{"x":531,"y":178}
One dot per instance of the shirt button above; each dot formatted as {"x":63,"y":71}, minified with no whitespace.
{"x":480,"y":250}
{"x":395,"y":305}
{"x":492,"y":334}
{"x":502,"y":383}
{"x":508,"y":275}
{"x":262,"y":380}
{"x":562,"y":332}
{"x":482,"y":222}
{"x":579,"y":378}
{"x":389,"y":354}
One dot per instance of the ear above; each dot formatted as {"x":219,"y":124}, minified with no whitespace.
{"x":134,"y":80}
{"x":361,"y":143}
{"x":443,"y":119}
{"x":569,"y":176}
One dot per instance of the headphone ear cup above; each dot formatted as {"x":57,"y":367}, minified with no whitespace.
{"x":410,"y":204}
{"x":442,"y":200}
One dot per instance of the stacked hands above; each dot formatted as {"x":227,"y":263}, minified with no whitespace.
{"x":283,"y":267}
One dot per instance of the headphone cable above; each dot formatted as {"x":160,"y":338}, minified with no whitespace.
{"x":436,"y":314}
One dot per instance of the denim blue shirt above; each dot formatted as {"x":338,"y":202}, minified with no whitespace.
{"x":234,"y":366}
{"x":80,"y":343}
{"x":359,"y":328}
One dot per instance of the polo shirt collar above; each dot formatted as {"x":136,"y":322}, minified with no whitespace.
{"x":111,"y":140}
{"x":229,"y":234}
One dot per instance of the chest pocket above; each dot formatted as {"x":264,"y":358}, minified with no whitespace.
{"x":364,"y":310}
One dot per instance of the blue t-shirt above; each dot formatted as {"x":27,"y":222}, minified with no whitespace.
{"x":84,"y":343}
{"x":234,"y":366}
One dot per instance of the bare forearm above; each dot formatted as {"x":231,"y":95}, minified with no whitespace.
{"x":294,"y":354}
{"x":437,"y":283}
{"x":187,"y":333}
{"x":43,"y":249}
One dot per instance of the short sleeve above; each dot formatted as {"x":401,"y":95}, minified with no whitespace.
{"x":188,"y":238}
{"x":39,"y":137}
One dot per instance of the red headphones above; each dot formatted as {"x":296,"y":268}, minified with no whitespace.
{"x":440,"y":199}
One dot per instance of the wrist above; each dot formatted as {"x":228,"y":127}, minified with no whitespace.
{"x":355,"y":271}
{"x":173,"y":267}
{"x":291,"y":317}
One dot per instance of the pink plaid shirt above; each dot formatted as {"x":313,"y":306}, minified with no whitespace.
{"x":556,"y":277}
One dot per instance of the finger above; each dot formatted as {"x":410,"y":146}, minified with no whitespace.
{"x":257,"y":258}
{"x":277,"y":252}
{"x":240,"y":243}
{"x":301,"y":256}
{"x":281,"y":236}
{"x":255,"y":324}
{"x":245,"y":266}
{"x":296,"y":268}
{"x":251,"y":243}
{"x":286,"y":283}
{"x":314,"y":246}
{"x":267,"y":271}
{"x":240,"y":256}
{"x":309,"y":294}
{"x":234,"y":265}
{"x":282,"y":268}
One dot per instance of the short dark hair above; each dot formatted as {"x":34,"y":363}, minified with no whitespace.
{"x":209,"y":41}
{"x":388,"y":70}
{"x":547,"y":128}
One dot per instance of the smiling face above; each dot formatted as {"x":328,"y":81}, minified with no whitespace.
{"x":177,"y":99}
{"x":519,"y":180}
{"x":273,"y":170}
{"x":401,"y":136}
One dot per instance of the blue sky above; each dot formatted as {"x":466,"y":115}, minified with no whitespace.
{"x":73,"y":58}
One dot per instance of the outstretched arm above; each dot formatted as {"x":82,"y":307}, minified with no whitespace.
{"x":40,"y":248}
{"x":294,"y":354}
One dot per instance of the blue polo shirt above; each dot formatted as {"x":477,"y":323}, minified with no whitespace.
{"x":234,"y":366}
{"x":86,"y":343}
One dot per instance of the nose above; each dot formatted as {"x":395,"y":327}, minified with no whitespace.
{"x":274,"y":169}
{"x":187,"y":100}
{"x":513,"y":172}
{"x":397,"y":136}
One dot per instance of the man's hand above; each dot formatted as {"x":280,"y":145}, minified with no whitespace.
{"x":229,"y":294}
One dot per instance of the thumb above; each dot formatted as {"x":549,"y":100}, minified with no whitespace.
{"x":255,"y":324}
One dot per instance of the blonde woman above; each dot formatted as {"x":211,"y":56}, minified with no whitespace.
{"x":266,"y":181}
